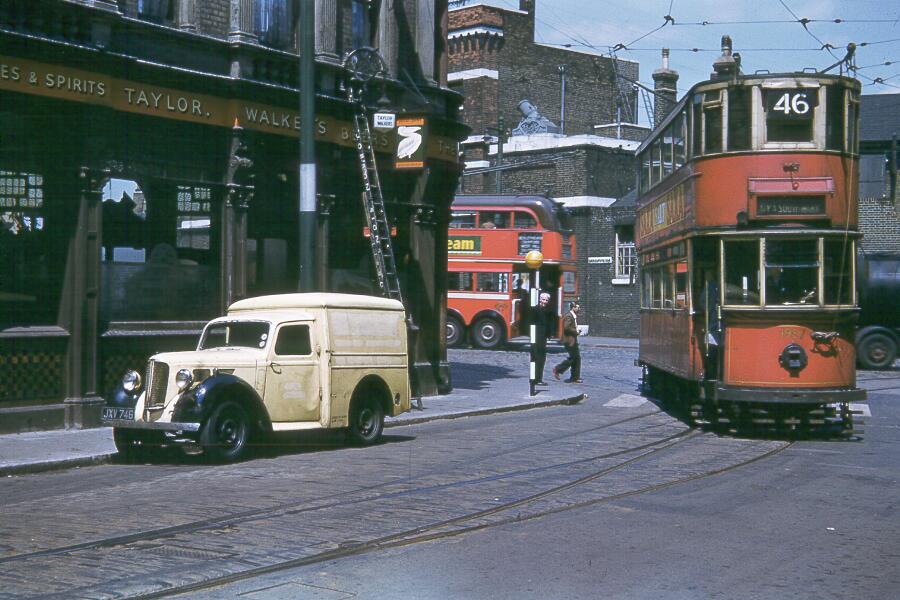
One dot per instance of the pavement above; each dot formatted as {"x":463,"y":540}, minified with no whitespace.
{"x":32,"y":452}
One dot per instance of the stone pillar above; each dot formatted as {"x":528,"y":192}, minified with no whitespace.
{"x":425,"y":26}
{"x":327,"y":31}
{"x":234,"y":243}
{"x":187,"y":15}
{"x":388,"y":41}
{"x":241,"y":29}
{"x":83,"y":305}
{"x":665,"y":85}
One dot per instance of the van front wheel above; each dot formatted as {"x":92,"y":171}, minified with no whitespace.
{"x":366,"y":421}
{"x":226,"y":434}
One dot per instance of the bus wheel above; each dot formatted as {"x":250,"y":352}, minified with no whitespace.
{"x":487,"y":333}
{"x":876,"y":351}
{"x":455,"y":332}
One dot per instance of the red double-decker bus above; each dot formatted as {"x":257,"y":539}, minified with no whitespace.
{"x":488,"y":282}
{"x":747,"y":219}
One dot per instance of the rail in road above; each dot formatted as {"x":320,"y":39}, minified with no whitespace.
{"x":164,"y":547}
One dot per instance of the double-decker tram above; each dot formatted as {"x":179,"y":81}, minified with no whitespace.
{"x":487,"y":279}
{"x":747,"y":219}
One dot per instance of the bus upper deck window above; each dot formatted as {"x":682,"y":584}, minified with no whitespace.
{"x":789,"y":114}
{"x":525,"y":221}
{"x":742,"y":272}
{"x":462,"y":219}
{"x":491,"y":219}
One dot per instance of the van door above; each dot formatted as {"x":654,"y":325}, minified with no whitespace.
{"x":292,"y":381}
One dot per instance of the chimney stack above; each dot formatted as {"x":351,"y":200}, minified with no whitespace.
{"x":665,"y":84}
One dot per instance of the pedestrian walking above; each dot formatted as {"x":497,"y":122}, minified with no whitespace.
{"x":570,"y":341}
{"x":543,"y":324}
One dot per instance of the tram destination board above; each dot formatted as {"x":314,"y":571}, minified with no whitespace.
{"x":529,"y":242}
{"x":799,"y":206}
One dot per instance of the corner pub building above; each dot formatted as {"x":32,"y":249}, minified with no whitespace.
{"x":148,"y":178}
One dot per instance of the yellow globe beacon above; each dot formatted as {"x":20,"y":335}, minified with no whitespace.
{"x":534,"y":259}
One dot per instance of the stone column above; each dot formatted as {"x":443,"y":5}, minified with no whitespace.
{"x":187,"y":15}
{"x":82,"y":396}
{"x":241,"y":29}
{"x":327,"y":31}
{"x":388,"y":42}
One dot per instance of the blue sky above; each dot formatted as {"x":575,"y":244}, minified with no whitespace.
{"x":766,"y":33}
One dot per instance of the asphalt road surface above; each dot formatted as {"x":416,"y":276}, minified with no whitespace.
{"x":609,"y":498}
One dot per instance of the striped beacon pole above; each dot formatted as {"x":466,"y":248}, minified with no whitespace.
{"x":533,"y":260}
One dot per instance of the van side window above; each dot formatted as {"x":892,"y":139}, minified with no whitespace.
{"x":293,"y":340}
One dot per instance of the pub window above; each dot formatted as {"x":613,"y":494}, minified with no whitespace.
{"x":462,"y":219}
{"x":360,"y":27}
{"x":31,"y":265}
{"x":838,"y":271}
{"x":626,"y":258}
{"x":741,"y":272}
{"x":157,"y":11}
{"x":792,"y":271}
{"x":789,"y":114}
{"x":459,"y":281}
{"x":712,"y":122}
{"x":293,"y":340}
{"x":739,"y":107}
{"x":493,"y":282}
{"x":194,"y":218}
{"x":524,"y":220}
{"x":273,"y":22}
{"x":834,"y":121}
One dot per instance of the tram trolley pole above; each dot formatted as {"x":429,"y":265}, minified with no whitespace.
{"x":533,"y":260}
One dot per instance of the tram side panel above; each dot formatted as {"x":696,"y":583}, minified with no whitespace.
{"x":667,"y":342}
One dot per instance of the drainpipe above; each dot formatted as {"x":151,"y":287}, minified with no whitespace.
{"x":562,"y":101}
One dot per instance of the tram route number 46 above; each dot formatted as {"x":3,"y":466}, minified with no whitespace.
{"x":789,"y":104}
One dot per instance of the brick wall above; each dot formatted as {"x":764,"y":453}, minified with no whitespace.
{"x":213,"y":17}
{"x":879,"y":222}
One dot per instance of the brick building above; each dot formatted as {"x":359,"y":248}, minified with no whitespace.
{"x":573,"y":141}
{"x":194,"y":102}
{"x":879,"y":200}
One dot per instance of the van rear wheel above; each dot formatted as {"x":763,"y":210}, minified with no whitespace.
{"x":366,"y":421}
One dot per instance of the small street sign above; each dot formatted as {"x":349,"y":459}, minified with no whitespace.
{"x":384,"y":121}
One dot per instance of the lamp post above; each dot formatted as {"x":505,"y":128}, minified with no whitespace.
{"x":533,"y":260}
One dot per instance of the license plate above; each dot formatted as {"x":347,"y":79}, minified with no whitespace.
{"x":111,"y":413}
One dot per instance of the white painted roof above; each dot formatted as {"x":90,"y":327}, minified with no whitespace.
{"x":313,"y":300}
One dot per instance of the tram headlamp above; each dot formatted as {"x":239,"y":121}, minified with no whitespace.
{"x":183,"y":379}
{"x":131,"y":381}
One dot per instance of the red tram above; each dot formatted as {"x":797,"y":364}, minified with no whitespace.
{"x":747,"y":231}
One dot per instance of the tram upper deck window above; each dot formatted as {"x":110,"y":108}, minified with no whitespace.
{"x":792,"y":271}
{"x":712,"y":122}
{"x":834,"y":119}
{"x":645,"y":170}
{"x":853,"y":122}
{"x":739,"y":111}
{"x":741,"y":272}
{"x":678,"y":139}
{"x":789,"y":114}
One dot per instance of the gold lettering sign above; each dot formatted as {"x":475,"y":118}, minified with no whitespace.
{"x":64,"y":83}
{"x":464,"y":245}
{"x":663,"y":212}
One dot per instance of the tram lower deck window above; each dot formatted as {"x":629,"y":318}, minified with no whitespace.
{"x":792,"y":271}
{"x":742,"y":272}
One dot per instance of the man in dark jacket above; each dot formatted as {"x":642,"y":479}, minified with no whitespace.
{"x":570,"y":341}
{"x":542,"y":319}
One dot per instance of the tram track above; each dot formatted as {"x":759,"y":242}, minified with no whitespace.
{"x":303,"y":506}
{"x":430,"y":533}
{"x":551,"y":500}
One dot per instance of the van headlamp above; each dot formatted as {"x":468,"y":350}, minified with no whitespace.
{"x":131,"y":381}
{"x":184,"y":379}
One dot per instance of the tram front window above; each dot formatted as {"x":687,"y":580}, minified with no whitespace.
{"x":742,"y":272}
{"x":838,"y":270}
{"x":792,"y":271}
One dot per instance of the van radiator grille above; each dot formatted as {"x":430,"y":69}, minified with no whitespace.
{"x":158,"y":378}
